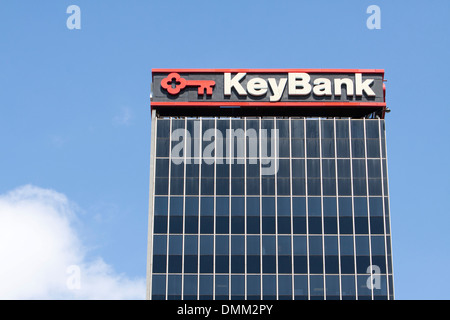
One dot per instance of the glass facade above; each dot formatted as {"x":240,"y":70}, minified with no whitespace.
{"x":269,"y":208}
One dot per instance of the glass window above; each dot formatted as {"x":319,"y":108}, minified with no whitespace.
{"x":376,"y":206}
{"x":299,"y":206}
{"x":360,"y":206}
{"x":222,"y":206}
{"x":298,"y":168}
{"x":253,"y":206}
{"x":283,"y":168}
{"x":314,"y":206}
{"x":298,"y":187}
{"x":377,"y":245}
{"x":208,"y":169}
{"x":253,"y":286}
{"x":362,"y":245}
{"x":346,"y":245}
{"x":327,"y":127}
{"x":328,"y":168}
{"x":374,"y":168}
{"x":162,"y":147}
{"x":359,"y":168}
{"x":161,"y":206}
{"x":313,"y":168}
{"x":342,"y":130}
{"x":222,"y":170}
{"x":206,"y":285}
{"x":237,"y":245}
{"x":253,"y":186}
{"x":285,"y":286}
{"x":315,"y":245}
{"x":316,"y":286}
{"x":222,"y":245}
{"x":298,"y":148}
{"x":159,"y":245}
{"x":268,"y":206}
{"x":332,"y":283}
{"x":268,"y":185}
{"x":159,"y":286}
{"x":176,"y":206}
{"x":175,"y":244}
{"x":192,"y":169}
{"x":190,"y":245}
{"x":174,"y":286}
{"x":284,"y":245}
{"x":269,"y":245}
{"x":206,"y":244}
{"x":284,"y":148}
{"x":372,"y":131}
{"x":297,"y":129}
{"x":300,"y":245}
{"x":237,"y":206}
{"x":343,"y":148}
{"x":283,"y":206}
{"x":252,"y":168}
{"x":207,"y":206}
{"x":313,"y":148}
{"x":253,"y":245}
{"x":331,"y":245}
{"x":162,"y":168}
{"x":190,"y":287}
{"x":312,"y":129}
{"x":191,"y":206}
{"x":283,"y":128}
{"x":373,"y":148}
{"x":348,"y":285}
{"x":343,"y":168}
{"x":358,"y":150}
{"x":329,"y":207}
{"x":364,"y":293}
{"x":221,"y":287}
{"x":238,"y":285}
{"x":357,"y":129}
{"x":269,"y":287}
{"x":237,"y":170}
{"x":300,"y":287}
{"x":161,"y":186}
{"x":163,"y":128}
{"x":328,"y":148}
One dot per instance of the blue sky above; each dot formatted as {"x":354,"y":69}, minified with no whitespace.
{"x":75,"y":120}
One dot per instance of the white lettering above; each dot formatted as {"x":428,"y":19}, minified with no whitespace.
{"x":363,"y":86}
{"x":277,"y":90}
{"x":301,"y":80}
{"x":234,"y":83}
{"x":322,"y":87}
{"x":338,"y":86}
{"x":257,"y":87}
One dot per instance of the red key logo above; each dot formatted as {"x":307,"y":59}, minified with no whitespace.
{"x":174,"y":84}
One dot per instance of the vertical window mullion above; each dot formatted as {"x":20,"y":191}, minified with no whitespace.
{"x":353,"y":206}
{"x":368,"y":208}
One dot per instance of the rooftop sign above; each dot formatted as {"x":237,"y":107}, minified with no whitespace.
{"x":268,"y":87}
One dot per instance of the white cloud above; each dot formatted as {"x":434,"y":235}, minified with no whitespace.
{"x":41,"y":252}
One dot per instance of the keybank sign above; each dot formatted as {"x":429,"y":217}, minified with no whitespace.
{"x":267,"y":87}
{"x":298,"y":84}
